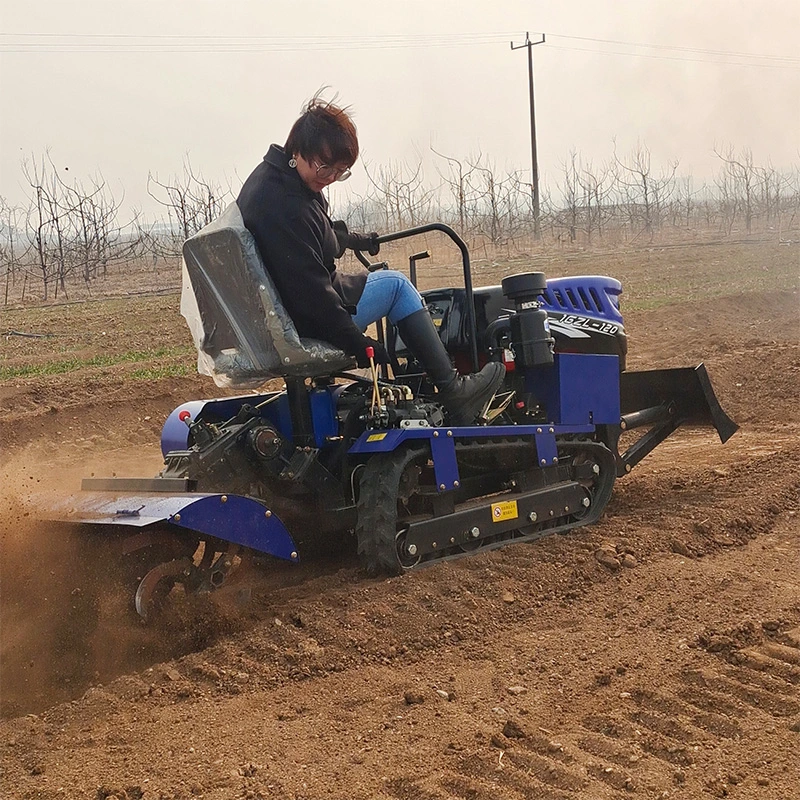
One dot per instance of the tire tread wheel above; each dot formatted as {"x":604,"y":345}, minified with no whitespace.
{"x":376,"y":529}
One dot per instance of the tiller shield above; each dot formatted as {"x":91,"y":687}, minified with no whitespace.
{"x":191,"y":538}
{"x":120,"y":501}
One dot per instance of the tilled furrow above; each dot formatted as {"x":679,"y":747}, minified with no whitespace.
{"x":758,"y":698}
{"x":520,"y":774}
{"x":546,"y":770}
{"x":763,"y":661}
{"x":713,"y":702}
{"x":782,"y":652}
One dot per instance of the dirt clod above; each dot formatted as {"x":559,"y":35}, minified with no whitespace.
{"x":679,"y":547}
{"x":608,"y":557}
{"x":500,"y":742}
{"x":513,"y":730}
{"x":413,"y":698}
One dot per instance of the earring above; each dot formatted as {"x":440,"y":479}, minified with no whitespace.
{"x":292,"y":162}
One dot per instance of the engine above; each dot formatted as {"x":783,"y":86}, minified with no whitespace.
{"x":583,"y":317}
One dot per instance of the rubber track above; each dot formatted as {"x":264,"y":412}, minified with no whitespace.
{"x":377,"y":510}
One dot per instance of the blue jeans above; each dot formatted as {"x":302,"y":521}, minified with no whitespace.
{"x":388,"y":293}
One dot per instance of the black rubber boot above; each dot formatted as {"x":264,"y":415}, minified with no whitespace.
{"x":464,"y":397}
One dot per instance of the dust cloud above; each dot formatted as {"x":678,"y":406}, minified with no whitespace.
{"x":67,"y":620}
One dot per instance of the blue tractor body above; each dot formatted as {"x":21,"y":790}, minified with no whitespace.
{"x":333,"y":452}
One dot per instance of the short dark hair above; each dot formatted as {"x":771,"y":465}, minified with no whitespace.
{"x":324,"y":130}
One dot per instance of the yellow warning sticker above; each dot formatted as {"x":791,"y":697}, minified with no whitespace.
{"x":502,"y":511}
{"x":376,"y":437}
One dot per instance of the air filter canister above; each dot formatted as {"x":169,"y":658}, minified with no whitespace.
{"x":530,"y":332}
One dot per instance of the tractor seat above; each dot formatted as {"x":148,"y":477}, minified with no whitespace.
{"x":241,"y":330}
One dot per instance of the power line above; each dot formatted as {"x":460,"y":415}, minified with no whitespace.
{"x":794,"y":66}
{"x":211,"y":50}
{"x":189,"y":43}
{"x":182,"y":42}
{"x":731,"y":53}
{"x":381,"y":37}
{"x":225,"y":46}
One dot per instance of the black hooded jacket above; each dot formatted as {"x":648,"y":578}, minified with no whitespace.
{"x":297,"y":242}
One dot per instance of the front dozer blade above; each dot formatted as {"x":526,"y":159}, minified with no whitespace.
{"x":665,"y":399}
{"x":689,"y":388}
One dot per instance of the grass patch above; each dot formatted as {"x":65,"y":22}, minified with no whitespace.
{"x":167,"y":371}
{"x":75,"y":364}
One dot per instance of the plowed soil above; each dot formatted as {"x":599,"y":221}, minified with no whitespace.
{"x":655,"y":654}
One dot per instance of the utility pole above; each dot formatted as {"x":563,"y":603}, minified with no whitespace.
{"x":534,"y":161}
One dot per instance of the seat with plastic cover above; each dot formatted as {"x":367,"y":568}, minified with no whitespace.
{"x":241,"y":330}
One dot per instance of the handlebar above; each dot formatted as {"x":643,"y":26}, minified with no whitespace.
{"x":472,"y":330}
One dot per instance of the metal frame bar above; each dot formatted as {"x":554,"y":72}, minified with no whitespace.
{"x":442,"y":442}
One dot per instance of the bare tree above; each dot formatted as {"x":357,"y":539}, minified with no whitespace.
{"x":98,"y":237}
{"x":596,"y":187}
{"x":39,"y":222}
{"x":71,"y":232}
{"x":791,"y":202}
{"x":772,"y":186}
{"x":570,"y":195}
{"x":191,"y":203}
{"x":12,"y":246}
{"x":685,"y":205}
{"x":584,"y":193}
{"x":457,"y":179}
{"x":401,"y":192}
{"x":647,"y":195}
{"x":490,"y":197}
{"x":741,"y":182}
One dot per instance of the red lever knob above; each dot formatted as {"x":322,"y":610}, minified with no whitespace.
{"x":370,"y":352}
{"x":184,"y":415}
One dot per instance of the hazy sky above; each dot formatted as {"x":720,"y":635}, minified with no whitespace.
{"x":131,"y":86}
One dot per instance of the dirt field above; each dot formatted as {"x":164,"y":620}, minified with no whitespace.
{"x":529,"y":672}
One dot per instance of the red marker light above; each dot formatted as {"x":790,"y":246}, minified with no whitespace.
{"x":184,"y":416}
{"x":370,"y":352}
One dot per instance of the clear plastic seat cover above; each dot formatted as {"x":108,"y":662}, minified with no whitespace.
{"x":241,"y":330}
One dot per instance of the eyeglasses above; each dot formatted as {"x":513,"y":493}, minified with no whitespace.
{"x":325,"y":172}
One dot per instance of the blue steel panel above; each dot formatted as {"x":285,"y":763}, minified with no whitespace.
{"x":595,"y":295}
{"x":111,"y":508}
{"x":227,"y":407}
{"x":442,"y":442}
{"x":445,"y":467}
{"x":175,"y":434}
{"x":238,"y":519}
{"x":385,"y":441}
{"x":546,"y":449}
{"x":579,"y":389}
{"x":378,"y":441}
{"x":323,"y":415}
